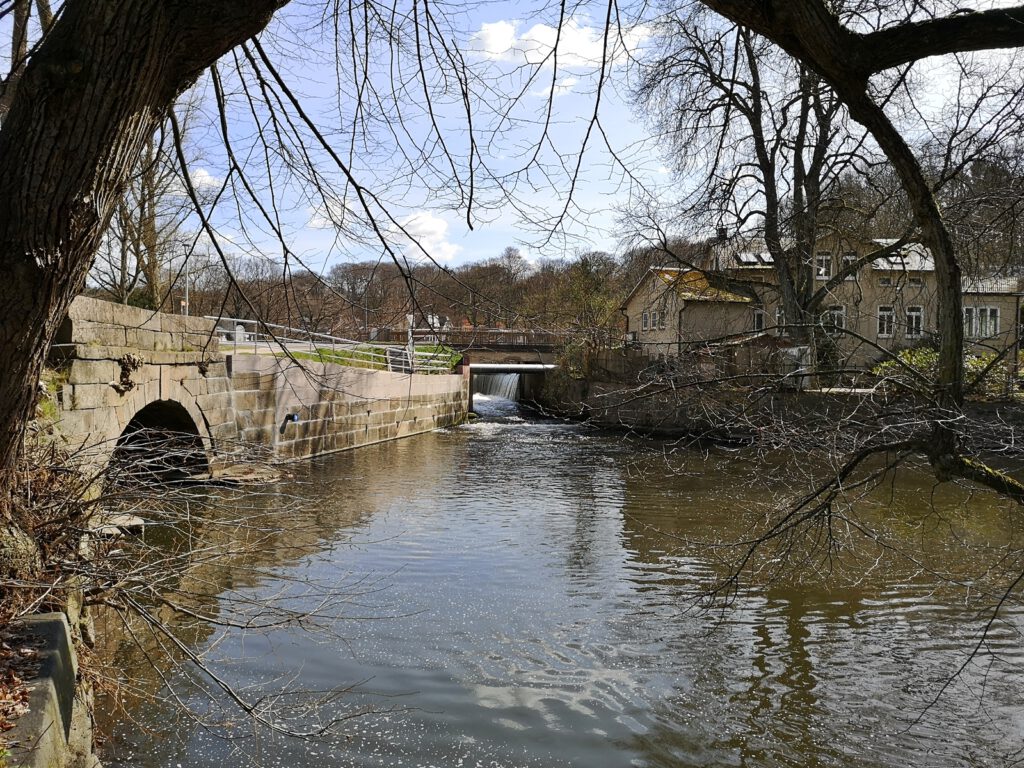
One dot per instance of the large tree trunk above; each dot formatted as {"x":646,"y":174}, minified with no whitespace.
{"x":92,"y":93}
{"x":810,"y":31}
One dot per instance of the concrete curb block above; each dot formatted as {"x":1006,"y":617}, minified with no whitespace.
{"x":42,"y":737}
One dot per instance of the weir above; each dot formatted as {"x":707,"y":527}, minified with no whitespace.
{"x":506,"y":385}
{"x":529,"y":378}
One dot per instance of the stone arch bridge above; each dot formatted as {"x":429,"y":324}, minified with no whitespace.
{"x":120,"y":369}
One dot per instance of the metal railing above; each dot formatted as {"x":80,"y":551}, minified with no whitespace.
{"x":257,"y":337}
{"x":480,"y":337}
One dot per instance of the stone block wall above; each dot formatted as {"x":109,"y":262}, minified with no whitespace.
{"x":113,"y":360}
{"x":313,"y":408}
{"x":103,"y":323}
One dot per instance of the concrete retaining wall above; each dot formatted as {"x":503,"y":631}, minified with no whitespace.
{"x":717,"y":414}
{"x":301,"y":411}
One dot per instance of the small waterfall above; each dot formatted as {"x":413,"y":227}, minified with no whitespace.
{"x":505,"y":385}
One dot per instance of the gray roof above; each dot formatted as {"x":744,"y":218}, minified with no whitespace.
{"x":912,"y":257}
{"x":752,"y":253}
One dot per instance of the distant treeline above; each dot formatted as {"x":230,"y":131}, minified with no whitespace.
{"x":578,"y":294}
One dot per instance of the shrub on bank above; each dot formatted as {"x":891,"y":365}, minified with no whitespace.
{"x":985,"y":375}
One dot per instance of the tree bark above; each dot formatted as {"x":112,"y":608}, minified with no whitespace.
{"x":93,"y":91}
{"x":809,"y":31}
{"x":149,"y":257}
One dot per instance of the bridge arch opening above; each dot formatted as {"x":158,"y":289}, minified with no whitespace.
{"x":519,"y":382}
{"x":161,"y":444}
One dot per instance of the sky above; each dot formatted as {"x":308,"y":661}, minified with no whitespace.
{"x":504,"y":94}
{"x":532,"y":105}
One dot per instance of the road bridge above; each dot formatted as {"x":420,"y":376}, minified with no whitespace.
{"x":531,"y":354}
{"x":488,"y":345}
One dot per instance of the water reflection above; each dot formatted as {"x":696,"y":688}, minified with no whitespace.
{"x":537,"y":609}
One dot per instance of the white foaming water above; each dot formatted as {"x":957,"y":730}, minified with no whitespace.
{"x":505,"y":385}
{"x":495,"y":396}
{"x":495,"y":408}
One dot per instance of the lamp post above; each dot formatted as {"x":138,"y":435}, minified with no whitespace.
{"x":184,"y":304}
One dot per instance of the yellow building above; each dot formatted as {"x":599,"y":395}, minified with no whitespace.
{"x":671,"y":308}
{"x":878,"y":307}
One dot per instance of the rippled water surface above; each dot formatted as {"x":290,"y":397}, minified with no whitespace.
{"x":526,"y":593}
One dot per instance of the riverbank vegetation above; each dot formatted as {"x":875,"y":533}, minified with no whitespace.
{"x":990,"y":376}
{"x":578,"y":295}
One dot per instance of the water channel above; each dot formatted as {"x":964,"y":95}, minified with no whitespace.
{"x":525,"y":592}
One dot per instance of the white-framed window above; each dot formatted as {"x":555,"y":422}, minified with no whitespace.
{"x":823,"y":266}
{"x":645,"y":321}
{"x":988,"y":322}
{"x":662,"y":319}
{"x":849,"y":259}
{"x":886,"y":322}
{"x":833,"y":319}
{"x":780,"y":320}
{"x":885,"y":282}
{"x":915,"y":322}
{"x":981,"y":322}
{"x":654,"y":320}
{"x":760,"y":320}
{"x":915,"y":281}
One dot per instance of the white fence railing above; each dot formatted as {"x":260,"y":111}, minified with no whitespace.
{"x":257,"y":337}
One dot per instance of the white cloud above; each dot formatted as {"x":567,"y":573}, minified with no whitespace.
{"x":203,"y":180}
{"x":579,"y":44}
{"x":423,"y":230}
{"x":495,"y":41}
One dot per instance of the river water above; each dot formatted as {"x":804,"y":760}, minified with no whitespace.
{"x":524,"y":592}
